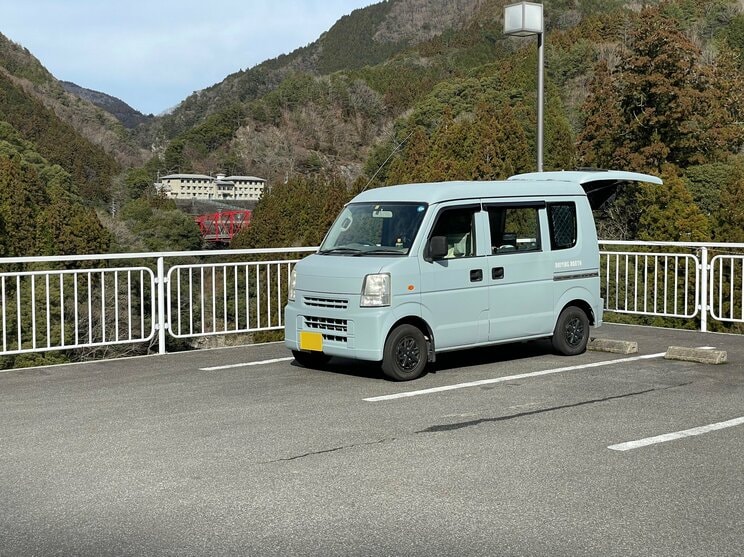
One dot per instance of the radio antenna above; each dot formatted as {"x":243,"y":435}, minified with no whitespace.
{"x":395,"y":150}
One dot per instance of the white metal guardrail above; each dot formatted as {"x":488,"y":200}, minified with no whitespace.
{"x":727,"y":288}
{"x":68,"y":309}
{"x":687,"y":280}
{"x":93,"y":301}
{"x":658,"y":284}
{"x":217,"y":299}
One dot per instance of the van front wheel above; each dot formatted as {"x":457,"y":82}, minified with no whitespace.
{"x":405,"y":354}
{"x":571,"y":333}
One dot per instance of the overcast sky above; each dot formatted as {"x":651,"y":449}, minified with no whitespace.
{"x":153,"y":54}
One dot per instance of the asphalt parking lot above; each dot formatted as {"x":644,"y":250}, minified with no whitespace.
{"x":506,"y":451}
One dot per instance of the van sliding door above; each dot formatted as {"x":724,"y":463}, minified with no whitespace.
{"x":520,"y":275}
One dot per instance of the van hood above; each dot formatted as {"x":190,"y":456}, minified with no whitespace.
{"x":336,"y":274}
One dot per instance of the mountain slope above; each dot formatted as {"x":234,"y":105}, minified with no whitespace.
{"x":366,"y":37}
{"x":93,"y":123}
{"x":92,"y":169}
{"x":127,"y":115}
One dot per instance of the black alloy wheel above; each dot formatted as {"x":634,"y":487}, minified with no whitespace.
{"x":405,"y":353}
{"x":571,"y":333}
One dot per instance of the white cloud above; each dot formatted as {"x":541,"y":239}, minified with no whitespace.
{"x":153,"y":54}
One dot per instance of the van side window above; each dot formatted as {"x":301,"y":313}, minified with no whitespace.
{"x":514,"y":229}
{"x":562,"y":219}
{"x":458,"y":227}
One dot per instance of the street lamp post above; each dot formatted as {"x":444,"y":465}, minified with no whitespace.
{"x":522,"y":20}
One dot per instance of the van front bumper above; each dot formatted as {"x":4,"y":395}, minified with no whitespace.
{"x":348,"y":331}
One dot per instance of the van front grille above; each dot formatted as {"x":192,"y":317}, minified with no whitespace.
{"x":326,"y":324}
{"x":333,"y":303}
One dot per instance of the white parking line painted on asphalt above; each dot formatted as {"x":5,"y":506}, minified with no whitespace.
{"x":676,"y":435}
{"x":510,"y":378}
{"x":246,"y":364}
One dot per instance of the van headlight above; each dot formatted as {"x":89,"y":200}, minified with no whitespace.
{"x":376,"y":290}
{"x":291,"y":288}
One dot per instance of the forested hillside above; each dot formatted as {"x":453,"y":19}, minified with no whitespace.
{"x":366,"y":37}
{"x":91,"y":168}
{"x":41,"y":208}
{"x":656,"y":89}
{"x":413,"y":90}
{"x":96,"y":125}
{"x":62,"y":183}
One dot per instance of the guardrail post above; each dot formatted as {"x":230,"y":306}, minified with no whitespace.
{"x":161,"y":306}
{"x":704,"y":289}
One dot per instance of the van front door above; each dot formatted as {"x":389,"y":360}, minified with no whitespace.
{"x":520,"y":275}
{"x":454,"y":288}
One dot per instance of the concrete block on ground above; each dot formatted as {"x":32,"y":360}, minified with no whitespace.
{"x":699,"y":355}
{"x":614,"y":346}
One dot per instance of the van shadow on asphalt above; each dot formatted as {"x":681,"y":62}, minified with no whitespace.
{"x":446,"y":361}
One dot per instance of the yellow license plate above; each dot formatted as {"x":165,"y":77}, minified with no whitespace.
{"x":311,"y":341}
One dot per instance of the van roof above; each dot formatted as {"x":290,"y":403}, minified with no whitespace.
{"x":437,"y":192}
{"x":535,"y":184}
{"x":584,"y":177}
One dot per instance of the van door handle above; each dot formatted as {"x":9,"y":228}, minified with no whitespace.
{"x":476,"y":275}
{"x":497,"y":273}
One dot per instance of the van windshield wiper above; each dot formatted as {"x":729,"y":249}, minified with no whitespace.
{"x":383,"y":251}
{"x":349,"y":251}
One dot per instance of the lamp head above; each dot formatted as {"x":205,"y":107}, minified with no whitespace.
{"x":523,"y":19}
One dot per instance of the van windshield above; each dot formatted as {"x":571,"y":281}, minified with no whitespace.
{"x":374,"y":229}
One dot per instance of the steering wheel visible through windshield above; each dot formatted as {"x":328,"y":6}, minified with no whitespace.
{"x":374,"y":229}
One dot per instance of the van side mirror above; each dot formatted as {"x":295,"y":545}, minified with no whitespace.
{"x":437,"y":248}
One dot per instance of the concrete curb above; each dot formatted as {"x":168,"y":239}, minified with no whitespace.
{"x":614,"y":346}
{"x":699,"y":355}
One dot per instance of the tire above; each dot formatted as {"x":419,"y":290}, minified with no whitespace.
{"x":571,"y":333}
{"x":312,"y":360}
{"x":405,"y":354}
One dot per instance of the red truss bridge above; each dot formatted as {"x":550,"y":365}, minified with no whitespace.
{"x":222,"y":226}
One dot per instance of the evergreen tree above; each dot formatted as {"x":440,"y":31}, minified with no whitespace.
{"x":21,"y":196}
{"x":501,"y":145}
{"x":65,"y":228}
{"x":668,"y":212}
{"x":297,"y":213}
{"x":138,"y":181}
{"x":486,"y":142}
{"x":410,"y":166}
{"x":728,"y":220}
{"x":705,"y":182}
{"x":160,"y":225}
{"x":661,"y":105}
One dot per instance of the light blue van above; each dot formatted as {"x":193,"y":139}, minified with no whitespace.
{"x":410,"y":271}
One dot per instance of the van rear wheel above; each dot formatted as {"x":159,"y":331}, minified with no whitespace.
{"x":405,"y":354}
{"x":571,"y":333}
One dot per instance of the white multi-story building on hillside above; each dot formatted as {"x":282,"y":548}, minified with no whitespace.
{"x":201,"y":186}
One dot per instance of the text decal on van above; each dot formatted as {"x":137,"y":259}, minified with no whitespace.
{"x":568,"y":264}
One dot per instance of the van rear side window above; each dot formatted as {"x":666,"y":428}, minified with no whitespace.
{"x":562,"y":218}
{"x":514,"y":228}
